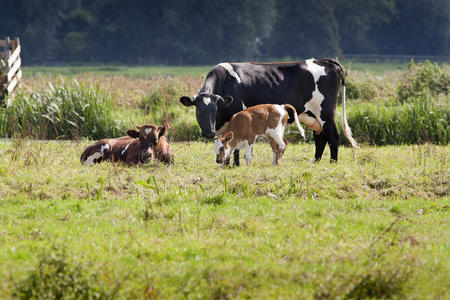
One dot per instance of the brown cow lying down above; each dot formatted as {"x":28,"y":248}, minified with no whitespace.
{"x":138,"y":147}
{"x":267,"y":120}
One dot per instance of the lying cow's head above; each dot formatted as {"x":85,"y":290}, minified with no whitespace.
{"x":148,"y":135}
{"x":207,"y":106}
{"x":222,"y":148}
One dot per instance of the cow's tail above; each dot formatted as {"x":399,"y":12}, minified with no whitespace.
{"x":297,"y":122}
{"x":345,"y":127}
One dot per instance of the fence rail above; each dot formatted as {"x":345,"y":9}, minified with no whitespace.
{"x":10,"y":63}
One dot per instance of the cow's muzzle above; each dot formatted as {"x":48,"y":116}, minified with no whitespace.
{"x":146,"y":155}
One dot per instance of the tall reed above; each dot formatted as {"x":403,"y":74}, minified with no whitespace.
{"x":422,"y":119}
{"x":63,"y":111}
{"x":162,"y":106}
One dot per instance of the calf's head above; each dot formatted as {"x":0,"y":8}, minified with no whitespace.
{"x":206,"y":107}
{"x":148,"y":136}
{"x":223,"y":147}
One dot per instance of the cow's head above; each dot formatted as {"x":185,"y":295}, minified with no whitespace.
{"x":207,"y":106}
{"x":223,"y":148}
{"x":148,"y":135}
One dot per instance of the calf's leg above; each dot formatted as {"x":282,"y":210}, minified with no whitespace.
{"x":277,"y":149}
{"x":248,"y":153}
{"x":281,"y":152}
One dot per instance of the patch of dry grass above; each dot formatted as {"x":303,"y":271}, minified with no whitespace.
{"x":128,"y":91}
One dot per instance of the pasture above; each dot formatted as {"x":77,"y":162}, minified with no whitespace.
{"x":152,"y":71}
{"x":374,"y":225}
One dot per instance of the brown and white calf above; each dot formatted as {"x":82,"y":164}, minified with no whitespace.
{"x":137,"y":147}
{"x":245,"y":127}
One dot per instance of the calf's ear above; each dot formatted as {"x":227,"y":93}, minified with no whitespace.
{"x":186,"y":101}
{"x":162,"y":130}
{"x":227,"y":100}
{"x":133,"y":133}
{"x":227,"y":138}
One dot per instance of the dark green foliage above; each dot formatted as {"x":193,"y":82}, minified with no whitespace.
{"x":55,"y":277}
{"x":76,"y":44}
{"x":356,"y":19}
{"x":210,"y":31}
{"x":36,"y":24}
{"x":416,"y":27}
{"x":297,"y":26}
{"x":64,"y":111}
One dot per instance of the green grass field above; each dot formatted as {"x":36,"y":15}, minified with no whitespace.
{"x":183,"y":71}
{"x":374,"y":225}
{"x":132,"y":71}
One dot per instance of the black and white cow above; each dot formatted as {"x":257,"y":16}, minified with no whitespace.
{"x":311,"y":86}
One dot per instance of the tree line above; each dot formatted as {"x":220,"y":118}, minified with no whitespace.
{"x":209,"y":31}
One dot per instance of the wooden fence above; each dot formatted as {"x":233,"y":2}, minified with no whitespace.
{"x":10,"y":63}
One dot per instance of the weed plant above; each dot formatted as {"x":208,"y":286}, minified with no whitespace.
{"x":423,"y":77}
{"x":57,"y":277}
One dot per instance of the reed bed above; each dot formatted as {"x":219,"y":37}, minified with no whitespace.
{"x":68,"y":110}
{"x":398,"y":107}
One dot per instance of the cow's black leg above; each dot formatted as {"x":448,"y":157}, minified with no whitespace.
{"x":236,"y":158}
{"x":332,"y":137}
{"x":320,"y":141}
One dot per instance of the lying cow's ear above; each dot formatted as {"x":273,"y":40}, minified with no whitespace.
{"x":133,"y":133}
{"x":227,"y":100}
{"x":186,"y":101}
{"x":162,"y":130}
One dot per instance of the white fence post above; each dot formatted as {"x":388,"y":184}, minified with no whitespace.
{"x":10,"y":63}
